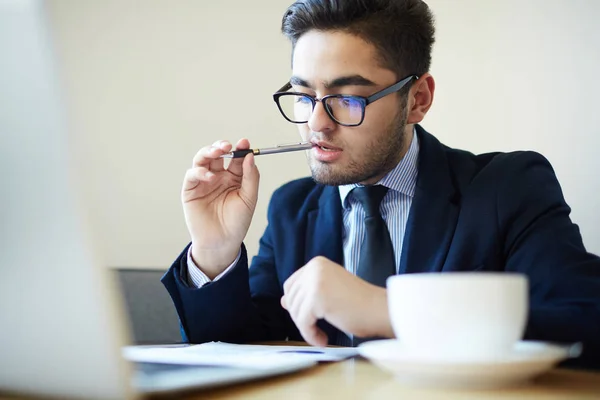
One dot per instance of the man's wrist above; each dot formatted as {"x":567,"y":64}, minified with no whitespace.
{"x":212,"y":263}
{"x":197,"y":278}
{"x":382,"y":323}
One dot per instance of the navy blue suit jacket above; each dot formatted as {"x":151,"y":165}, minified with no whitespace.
{"x":490,"y":212}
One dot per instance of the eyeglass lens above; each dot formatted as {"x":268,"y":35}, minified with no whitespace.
{"x":345,"y":109}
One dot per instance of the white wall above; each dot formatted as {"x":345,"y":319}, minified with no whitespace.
{"x":151,"y":82}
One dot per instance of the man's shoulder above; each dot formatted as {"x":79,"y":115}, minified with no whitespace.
{"x":510,"y":163}
{"x":466,"y":167}
{"x":494,"y":166}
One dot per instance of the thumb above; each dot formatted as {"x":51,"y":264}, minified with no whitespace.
{"x":320,"y":338}
{"x":250,"y":179}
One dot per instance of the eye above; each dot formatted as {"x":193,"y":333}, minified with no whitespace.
{"x":303,"y":100}
{"x":349,"y":102}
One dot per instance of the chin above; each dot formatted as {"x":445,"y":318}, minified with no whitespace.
{"x":332,"y":175}
{"x":324,"y":174}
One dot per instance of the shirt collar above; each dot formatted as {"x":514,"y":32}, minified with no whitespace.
{"x":402,"y":178}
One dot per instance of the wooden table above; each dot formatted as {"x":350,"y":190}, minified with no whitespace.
{"x":359,"y":379}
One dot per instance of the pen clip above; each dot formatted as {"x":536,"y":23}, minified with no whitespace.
{"x":291,"y":144}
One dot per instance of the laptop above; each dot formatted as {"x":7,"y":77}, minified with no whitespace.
{"x":62,"y":326}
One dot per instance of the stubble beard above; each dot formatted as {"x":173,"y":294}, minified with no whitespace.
{"x":380,"y":157}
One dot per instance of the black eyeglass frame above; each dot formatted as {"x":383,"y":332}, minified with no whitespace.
{"x":364,"y":101}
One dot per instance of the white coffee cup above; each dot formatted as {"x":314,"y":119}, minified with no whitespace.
{"x":458,"y":315}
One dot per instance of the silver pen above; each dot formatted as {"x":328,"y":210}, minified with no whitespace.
{"x":281,"y":148}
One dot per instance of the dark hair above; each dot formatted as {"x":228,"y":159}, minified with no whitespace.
{"x":402,"y":31}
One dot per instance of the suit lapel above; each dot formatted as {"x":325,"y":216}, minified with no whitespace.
{"x":324,"y":227}
{"x":324,"y":238}
{"x":434,"y":211}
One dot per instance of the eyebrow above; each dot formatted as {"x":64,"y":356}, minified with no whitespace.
{"x":352,"y":80}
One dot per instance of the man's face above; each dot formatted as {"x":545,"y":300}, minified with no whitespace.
{"x":338,"y":63}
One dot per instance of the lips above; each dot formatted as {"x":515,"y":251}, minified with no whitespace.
{"x":325,"y":152}
{"x":325,"y":146}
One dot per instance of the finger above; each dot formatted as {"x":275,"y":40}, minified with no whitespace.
{"x":319,"y":337}
{"x":250,"y":179}
{"x":289,"y":302}
{"x":289,"y":282}
{"x":219,"y":163}
{"x":307,"y":325}
{"x":291,"y":289}
{"x":195,"y":176}
{"x":210,"y":156}
{"x":295,"y":296}
{"x":301,"y":314}
{"x":236,"y":164}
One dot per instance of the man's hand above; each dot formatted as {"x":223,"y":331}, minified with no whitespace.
{"x":324,"y":289}
{"x":218,"y":205}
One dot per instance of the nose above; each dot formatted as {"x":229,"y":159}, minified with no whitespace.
{"x":319,"y":120}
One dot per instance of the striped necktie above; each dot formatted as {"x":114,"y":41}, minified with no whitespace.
{"x":377,"y":261}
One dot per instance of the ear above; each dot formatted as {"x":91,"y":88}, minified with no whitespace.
{"x":420,"y":98}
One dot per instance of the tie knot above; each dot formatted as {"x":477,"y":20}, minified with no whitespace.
{"x":370,"y":197}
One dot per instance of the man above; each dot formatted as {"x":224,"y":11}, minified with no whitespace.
{"x":385,"y":198}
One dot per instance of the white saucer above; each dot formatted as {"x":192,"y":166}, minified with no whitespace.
{"x":527,"y":360}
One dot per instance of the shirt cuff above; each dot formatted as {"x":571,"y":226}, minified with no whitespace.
{"x":198,"y":278}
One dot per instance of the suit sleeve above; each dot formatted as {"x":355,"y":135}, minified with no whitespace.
{"x":543,"y":243}
{"x":242,"y":306}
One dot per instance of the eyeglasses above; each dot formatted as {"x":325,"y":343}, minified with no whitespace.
{"x":343,"y":109}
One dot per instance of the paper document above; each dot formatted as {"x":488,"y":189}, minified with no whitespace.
{"x":235,"y":355}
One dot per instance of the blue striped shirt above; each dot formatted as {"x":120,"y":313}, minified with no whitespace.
{"x":394,"y":208}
